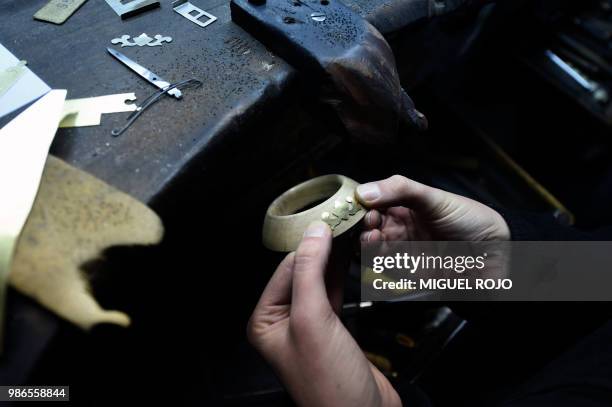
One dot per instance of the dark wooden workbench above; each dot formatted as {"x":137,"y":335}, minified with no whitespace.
{"x":239,"y":75}
{"x":174,"y":142}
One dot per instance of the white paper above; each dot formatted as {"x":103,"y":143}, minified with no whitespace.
{"x":27,"y":88}
{"x":24,"y":146}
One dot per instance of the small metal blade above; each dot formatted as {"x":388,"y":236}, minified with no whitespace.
{"x":144,"y":73}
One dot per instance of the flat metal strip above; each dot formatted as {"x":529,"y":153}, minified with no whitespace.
{"x":193,"y":13}
{"x":125,"y":9}
{"x":58,"y":11}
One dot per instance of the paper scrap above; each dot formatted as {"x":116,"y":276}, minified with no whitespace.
{"x":24,"y":147}
{"x":88,"y":111}
{"x":28,"y":87}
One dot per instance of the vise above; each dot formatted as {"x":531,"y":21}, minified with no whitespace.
{"x":335,"y":46}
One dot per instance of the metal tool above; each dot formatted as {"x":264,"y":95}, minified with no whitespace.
{"x":151,"y":100}
{"x":578,"y":61}
{"x":599,"y":94}
{"x":346,"y":58}
{"x":146,"y":74}
{"x":193,"y":13}
{"x":164,"y":86}
{"x":586,"y":52}
{"x":128,"y":8}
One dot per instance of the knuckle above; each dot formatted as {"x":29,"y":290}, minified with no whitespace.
{"x":398,"y":185}
{"x":421,"y":191}
{"x":398,"y":179}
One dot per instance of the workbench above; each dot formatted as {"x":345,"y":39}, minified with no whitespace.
{"x":175,"y":146}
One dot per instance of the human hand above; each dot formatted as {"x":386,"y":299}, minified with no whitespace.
{"x":296,"y":330}
{"x":403,"y":209}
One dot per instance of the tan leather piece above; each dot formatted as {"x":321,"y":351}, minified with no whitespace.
{"x":74,"y":219}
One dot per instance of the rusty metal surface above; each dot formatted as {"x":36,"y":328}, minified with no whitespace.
{"x":337,"y":48}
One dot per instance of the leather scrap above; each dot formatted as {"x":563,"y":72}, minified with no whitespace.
{"x":74,"y":219}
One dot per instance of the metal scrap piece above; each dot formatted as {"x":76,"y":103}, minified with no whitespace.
{"x":128,"y":8}
{"x":88,"y":111}
{"x":193,"y":13}
{"x":58,"y":11}
{"x":142,"y":40}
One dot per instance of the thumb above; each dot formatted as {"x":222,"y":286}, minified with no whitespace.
{"x":308,"y":291}
{"x":400,"y":191}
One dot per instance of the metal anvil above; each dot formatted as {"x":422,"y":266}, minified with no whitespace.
{"x":333,"y":44}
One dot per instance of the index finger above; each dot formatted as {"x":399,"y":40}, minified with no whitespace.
{"x":399,"y":191}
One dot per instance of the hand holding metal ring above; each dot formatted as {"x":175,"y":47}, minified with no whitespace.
{"x":289,"y":215}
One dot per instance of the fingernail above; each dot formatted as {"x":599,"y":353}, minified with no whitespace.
{"x":369,"y":191}
{"x":316,"y":229}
